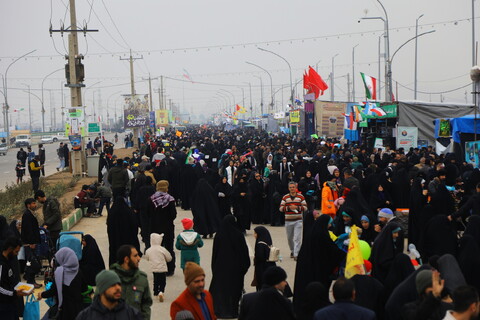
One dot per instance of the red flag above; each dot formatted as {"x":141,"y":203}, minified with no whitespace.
{"x":317,"y":84}
{"x":306,"y":82}
{"x":237,"y":107}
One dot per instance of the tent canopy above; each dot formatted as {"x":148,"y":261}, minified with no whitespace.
{"x":465,"y":124}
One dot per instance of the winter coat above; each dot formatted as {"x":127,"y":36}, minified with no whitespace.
{"x":157,"y":255}
{"x":187,"y":242}
{"x":52,"y":216}
{"x":186,"y":301}
{"x":328,"y":199}
{"x":135,"y":289}
{"x":97,"y":311}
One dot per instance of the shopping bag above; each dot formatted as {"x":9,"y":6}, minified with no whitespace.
{"x":32,"y":308}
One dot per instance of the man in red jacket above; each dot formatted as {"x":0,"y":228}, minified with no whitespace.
{"x":194,"y":298}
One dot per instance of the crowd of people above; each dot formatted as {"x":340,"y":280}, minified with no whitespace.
{"x":416,"y":211}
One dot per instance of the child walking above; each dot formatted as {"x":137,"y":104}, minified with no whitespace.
{"x":188,"y":242}
{"x":158,"y":257}
{"x":20,"y":170}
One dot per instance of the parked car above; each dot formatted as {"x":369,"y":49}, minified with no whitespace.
{"x":23,"y":140}
{"x":3,"y":149}
{"x":59,"y":137}
{"x":47,"y":139}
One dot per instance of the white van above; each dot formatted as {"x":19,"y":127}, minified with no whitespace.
{"x":23,"y":140}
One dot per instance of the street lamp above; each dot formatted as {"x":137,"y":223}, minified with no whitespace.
{"x":353,"y":73}
{"x":316,"y":65}
{"x":271,"y":82}
{"x":29,"y":107}
{"x":416,"y":56}
{"x":251,"y":105}
{"x":289,"y":67}
{"x":226,"y":97}
{"x":108,"y":99}
{"x":332,"y":81}
{"x":43,"y":108}
{"x":5,"y":94}
{"x":379,"y":67}
{"x":261,"y":95}
{"x":388,"y":70}
{"x":233,"y":96}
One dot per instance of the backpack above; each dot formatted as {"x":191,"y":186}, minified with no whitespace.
{"x":274,"y":255}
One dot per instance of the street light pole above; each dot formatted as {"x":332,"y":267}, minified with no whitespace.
{"x":261,"y":95}
{"x":353,"y":73}
{"x":251,"y":105}
{"x":332,"y":79}
{"x":43,"y":107}
{"x":5,"y":94}
{"x":379,"y":68}
{"x":416,"y":57}
{"x":271,"y":82}
{"x":289,"y":67}
{"x":29,"y":107}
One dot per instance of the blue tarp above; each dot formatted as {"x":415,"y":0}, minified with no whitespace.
{"x":460,"y":125}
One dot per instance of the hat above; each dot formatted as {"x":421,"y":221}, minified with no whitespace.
{"x":364,"y":218}
{"x":274,"y":275}
{"x":184,"y":315}
{"x":187,"y":223}
{"x":104,"y":280}
{"x":423,"y":280}
{"x":191,"y":271}
{"x":385,"y":213}
{"x":162,"y":186}
{"x":145,"y":158}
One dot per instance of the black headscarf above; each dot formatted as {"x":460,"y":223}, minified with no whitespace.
{"x":401,"y":268}
{"x":122,"y":228}
{"x":317,"y":259}
{"x":473,"y":229}
{"x":417,"y":203}
{"x":92,"y":261}
{"x":230,"y":262}
{"x":262,"y":253}
{"x":206,"y":214}
{"x":384,"y":251}
{"x":439,"y":237}
{"x":469,"y":260}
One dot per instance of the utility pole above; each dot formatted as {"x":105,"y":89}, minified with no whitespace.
{"x":162,"y":104}
{"x":132,"y":89}
{"x":353,"y":74}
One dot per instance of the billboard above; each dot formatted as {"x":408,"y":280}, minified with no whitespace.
{"x":472,"y":150}
{"x":136,"y":111}
{"x":162,"y":117}
{"x":407,"y":137}
{"x":329,"y":118}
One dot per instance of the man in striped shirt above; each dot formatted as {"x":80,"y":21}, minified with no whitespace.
{"x":293,"y":205}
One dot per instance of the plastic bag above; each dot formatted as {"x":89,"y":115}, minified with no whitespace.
{"x":32,"y":308}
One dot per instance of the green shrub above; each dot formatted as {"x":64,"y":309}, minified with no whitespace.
{"x":13,"y":197}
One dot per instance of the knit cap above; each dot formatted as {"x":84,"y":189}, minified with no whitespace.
{"x":385,"y":213}
{"x":162,"y":185}
{"x":191,"y":271}
{"x":187,"y":223}
{"x":184,"y":315}
{"x":364,"y":218}
{"x":104,"y":280}
{"x":423,"y":280}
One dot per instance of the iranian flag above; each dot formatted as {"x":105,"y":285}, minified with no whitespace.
{"x":370,"y":86}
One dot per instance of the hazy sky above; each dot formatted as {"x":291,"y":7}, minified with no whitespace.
{"x":220,"y":35}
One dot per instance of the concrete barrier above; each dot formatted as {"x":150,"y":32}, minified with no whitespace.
{"x":72,"y":219}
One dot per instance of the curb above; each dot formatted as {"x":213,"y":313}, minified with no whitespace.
{"x":72,"y":219}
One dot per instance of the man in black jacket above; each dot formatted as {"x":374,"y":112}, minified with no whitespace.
{"x":34,"y":167}
{"x":8,"y":279}
{"x":108,"y":302}
{"x":118,"y":179}
{"x":30,"y":238}
{"x":52,"y":216}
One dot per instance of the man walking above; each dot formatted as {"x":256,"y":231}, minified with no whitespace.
{"x":52,"y":216}
{"x":194,"y":298}
{"x":135,"y":288}
{"x":41,"y":155}
{"x":107,"y":302}
{"x":61,"y":157}
{"x":294,"y":206}
{"x":22,"y":156}
{"x":30,"y":235}
{"x":118,"y":179}
{"x":34,"y":168}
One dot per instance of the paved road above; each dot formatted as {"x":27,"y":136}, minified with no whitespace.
{"x":175,"y":284}
{"x":8,"y":162}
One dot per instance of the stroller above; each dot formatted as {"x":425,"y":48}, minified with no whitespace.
{"x":72,"y":240}
{"x":44,"y":254}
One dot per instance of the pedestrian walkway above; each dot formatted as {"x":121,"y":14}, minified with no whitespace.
{"x":175,"y":284}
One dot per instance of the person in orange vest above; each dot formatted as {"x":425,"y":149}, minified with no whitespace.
{"x":329,"y":195}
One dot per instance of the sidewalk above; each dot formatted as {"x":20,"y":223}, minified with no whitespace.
{"x":175,"y":284}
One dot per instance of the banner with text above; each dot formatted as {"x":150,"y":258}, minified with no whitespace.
{"x":136,"y":111}
{"x":407,"y":137}
{"x":161,"y":117}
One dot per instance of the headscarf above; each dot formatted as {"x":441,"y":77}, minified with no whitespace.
{"x":66,"y":270}
{"x":263,"y":235}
